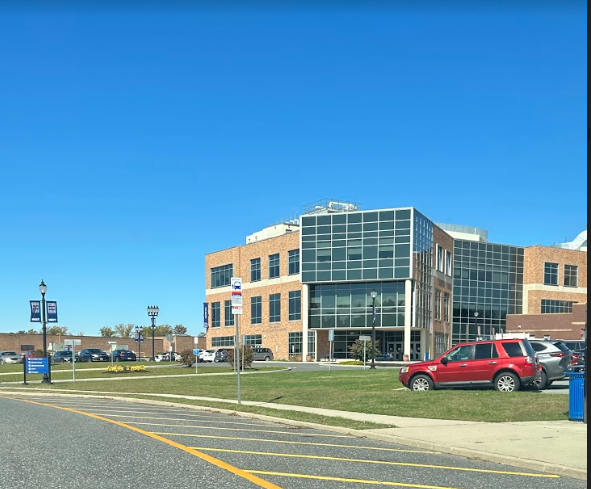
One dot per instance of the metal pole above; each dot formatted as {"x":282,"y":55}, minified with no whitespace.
{"x":364,"y":354}
{"x":153,"y":348}
{"x":373,"y":336}
{"x":46,"y":378}
{"x":73,"y":363}
{"x":237,"y":355}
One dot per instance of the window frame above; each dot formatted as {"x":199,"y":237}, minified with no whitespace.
{"x":216,"y":319}
{"x":275,"y":267}
{"x":569,"y":275}
{"x":275,"y":302}
{"x":551,"y":271}
{"x":293,"y":264}
{"x":228,"y":316}
{"x":222,"y":277}
{"x":254,"y":303}
{"x":254,"y":270}
{"x":295,"y":300}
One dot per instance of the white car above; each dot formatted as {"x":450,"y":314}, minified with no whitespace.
{"x":10,"y":357}
{"x":208,"y":356}
{"x":165,"y":357}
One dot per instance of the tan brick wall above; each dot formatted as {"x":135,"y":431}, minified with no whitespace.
{"x":535,"y":299}
{"x":275,"y":335}
{"x":443,"y":284}
{"x":536,"y":256}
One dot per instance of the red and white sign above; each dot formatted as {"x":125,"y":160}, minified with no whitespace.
{"x":236,"y":284}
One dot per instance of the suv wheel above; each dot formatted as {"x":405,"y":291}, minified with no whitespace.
{"x":507,"y":382}
{"x":267,"y":359}
{"x":542,"y":383}
{"x":421,"y":383}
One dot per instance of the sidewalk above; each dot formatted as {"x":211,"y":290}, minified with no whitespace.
{"x":558,"y":447}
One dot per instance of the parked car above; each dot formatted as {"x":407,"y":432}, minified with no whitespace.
{"x":578,"y":348}
{"x":165,"y":357}
{"x":221,"y":356}
{"x":93,"y":355}
{"x":262,"y":354}
{"x":201,"y":355}
{"x":556,"y":359}
{"x":10,"y":357}
{"x":64,"y":356}
{"x":507,"y":365}
{"x":384,"y":357}
{"x":124,"y":356}
{"x":208,"y":356}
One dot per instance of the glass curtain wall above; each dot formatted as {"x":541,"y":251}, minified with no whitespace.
{"x":423,"y":270}
{"x":488,"y":280}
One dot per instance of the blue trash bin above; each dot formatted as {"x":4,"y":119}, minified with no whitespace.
{"x":576,"y":409}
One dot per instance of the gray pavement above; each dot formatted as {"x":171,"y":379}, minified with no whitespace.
{"x":66,"y":450}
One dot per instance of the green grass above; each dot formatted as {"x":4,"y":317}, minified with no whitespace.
{"x":62,"y":374}
{"x":82,"y":366}
{"x":372,"y":392}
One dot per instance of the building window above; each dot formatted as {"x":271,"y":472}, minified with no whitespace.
{"x":220,"y":276}
{"x":215,"y":315}
{"x":550,"y":273}
{"x":448,"y":265}
{"x":557,"y":307}
{"x":222,"y":341}
{"x":275,"y":308}
{"x":294,"y":262}
{"x":253,"y":340}
{"x":571,"y":275}
{"x":440,"y":264}
{"x":255,"y":270}
{"x":256,"y":310}
{"x":295,"y":305}
{"x":446,"y":307}
{"x":295,"y":344}
{"x":437,"y":305}
{"x":228,"y":316}
{"x":274,"y":270}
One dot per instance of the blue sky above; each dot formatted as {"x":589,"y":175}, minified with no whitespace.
{"x":132,"y":142}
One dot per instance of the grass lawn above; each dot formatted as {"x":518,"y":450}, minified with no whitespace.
{"x":372,"y":392}
{"x":18,"y":368}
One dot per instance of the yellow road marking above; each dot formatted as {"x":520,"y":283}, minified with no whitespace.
{"x":357,"y":447}
{"x":378,"y":462}
{"x":293,"y":433}
{"x":214,"y":461}
{"x":355,"y":481}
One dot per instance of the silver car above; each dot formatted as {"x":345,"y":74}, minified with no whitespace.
{"x":556,"y":359}
{"x":10,"y":357}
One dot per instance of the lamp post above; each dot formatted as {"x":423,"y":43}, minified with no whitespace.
{"x":43,"y":290}
{"x":478,"y":332}
{"x":153,"y":314}
{"x":138,"y":332}
{"x":374,"y":294}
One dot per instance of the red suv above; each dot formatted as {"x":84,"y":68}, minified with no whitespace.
{"x":506,"y":364}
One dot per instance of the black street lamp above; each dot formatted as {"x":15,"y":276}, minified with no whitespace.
{"x":43,"y":290}
{"x":138,"y":337}
{"x":478,"y":332}
{"x":153,"y":313}
{"x":374,"y":294}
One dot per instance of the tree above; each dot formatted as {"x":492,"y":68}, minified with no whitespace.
{"x":32,"y":331}
{"x":58,"y":330}
{"x":107,"y":332}
{"x":201,"y":335}
{"x":124,"y":330}
{"x":179,"y":329}
{"x":22,"y":331}
{"x":248,"y":357}
{"x":356,"y":349}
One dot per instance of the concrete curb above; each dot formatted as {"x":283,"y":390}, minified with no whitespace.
{"x":534,"y":465}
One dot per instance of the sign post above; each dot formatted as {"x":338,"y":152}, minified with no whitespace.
{"x":196,"y":353}
{"x":73,"y":343}
{"x":34,"y":366}
{"x":331,"y":340}
{"x":111,"y":344}
{"x":365,"y":339}
{"x":236,"y":284}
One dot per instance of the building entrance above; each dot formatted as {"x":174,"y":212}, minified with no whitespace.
{"x":396,"y":349}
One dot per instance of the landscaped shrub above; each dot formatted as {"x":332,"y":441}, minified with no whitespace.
{"x":120,"y":369}
{"x":187,"y":358}
{"x":248,"y":357}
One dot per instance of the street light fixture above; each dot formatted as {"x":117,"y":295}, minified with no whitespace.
{"x":138,"y":332}
{"x":43,"y":290}
{"x":478,"y":332}
{"x":153,"y":314}
{"x":374,"y":294}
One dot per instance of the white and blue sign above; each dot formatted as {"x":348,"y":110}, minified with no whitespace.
{"x":35,"y":311}
{"x":205,"y":315}
{"x":51,"y":311}
{"x":37,"y":365}
{"x":139,"y":338}
{"x":196,"y":351}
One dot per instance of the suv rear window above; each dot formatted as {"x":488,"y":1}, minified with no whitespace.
{"x":514,"y":349}
{"x":562,"y":347}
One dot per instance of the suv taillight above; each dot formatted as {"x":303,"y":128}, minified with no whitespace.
{"x":557,"y":355}
{"x":530,"y":361}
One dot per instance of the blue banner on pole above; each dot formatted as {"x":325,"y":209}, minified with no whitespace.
{"x":35,"y":311}
{"x":205,"y":315}
{"x":51,"y":311}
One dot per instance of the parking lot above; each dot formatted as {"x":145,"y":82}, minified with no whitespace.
{"x":241,"y":450}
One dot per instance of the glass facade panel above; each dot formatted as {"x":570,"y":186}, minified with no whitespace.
{"x":350,"y":305}
{"x":357,"y":242}
{"x":222,"y":341}
{"x":423,"y":269}
{"x":488,"y":279}
{"x":253,"y":340}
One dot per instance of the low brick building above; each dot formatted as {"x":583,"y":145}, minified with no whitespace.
{"x":568,"y":326}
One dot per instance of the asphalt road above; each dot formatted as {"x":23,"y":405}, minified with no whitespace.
{"x":44,"y":443}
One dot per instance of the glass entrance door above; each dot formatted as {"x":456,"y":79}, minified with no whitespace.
{"x":395,"y":348}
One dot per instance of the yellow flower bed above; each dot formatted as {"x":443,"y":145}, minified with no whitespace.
{"x":120,"y":369}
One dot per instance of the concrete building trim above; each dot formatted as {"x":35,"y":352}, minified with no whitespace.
{"x":266,"y":282}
